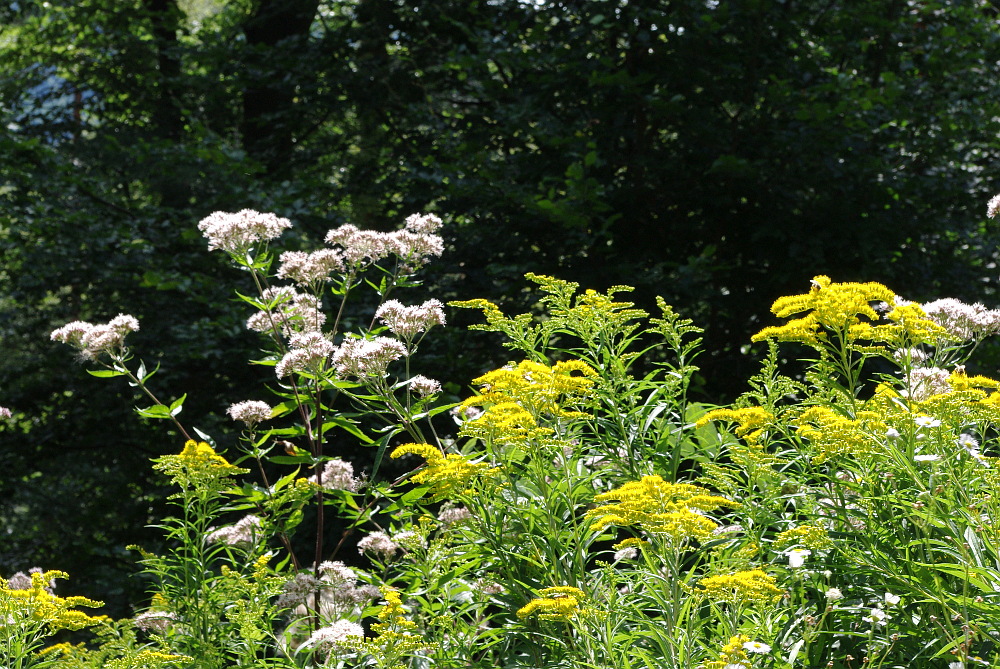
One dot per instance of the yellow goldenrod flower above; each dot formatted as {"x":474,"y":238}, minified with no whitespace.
{"x":753,"y":421}
{"x":834,"y":434}
{"x":446,"y":475}
{"x":733,"y":654}
{"x":197,"y":464}
{"x":741,"y":588}
{"x":659,"y":507}
{"x":846,"y":309}
{"x":561,"y":602}
{"x":810,"y":536}
{"x":36,"y":606}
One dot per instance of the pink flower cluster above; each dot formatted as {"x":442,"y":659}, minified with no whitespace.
{"x":306,"y":268}
{"x":236,"y":233}
{"x":242,"y":534}
{"x":250,"y":412}
{"x":963,"y":321}
{"x":92,"y":340}
{"x":413,"y":244}
{"x":365,"y":358}
{"x":338,"y":475}
{"x":289,"y":311}
{"x":308,"y":352}
{"x":407,"y":322}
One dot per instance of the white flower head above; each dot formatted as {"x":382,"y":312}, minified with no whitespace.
{"x":892,"y":433}
{"x":963,"y":321}
{"x":756,"y":647}
{"x":307,"y":268}
{"x":876,"y":617}
{"x":363,"y":358}
{"x":407,"y":322}
{"x":424,"y":387}
{"x":993,"y":206}
{"x":338,"y":475}
{"x":339,"y":637}
{"x":927,"y":457}
{"x":308,"y":351}
{"x":378,"y":543}
{"x":926,"y":421}
{"x":288,"y":311}
{"x":890,"y":599}
{"x":236,"y":233}
{"x":834,"y":594}
{"x":797,"y":557}
{"x":250,"y":412}
{"x":5,"y":413}
{"x":243,"y":534}
{"x":626,"y":553}
{"x":91,"y":340}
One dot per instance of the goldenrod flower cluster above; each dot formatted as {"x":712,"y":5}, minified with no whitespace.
{"x":446,"y":475}
{"x":752,"y":421}
{"x":197,"y":464}
{"x":833,"y":434}
{"x":393,"y":639}
{"x":810,"y":536}
{"x":37,"y":607}
{"x":516,"y":398}
{"x":674,"y":510}
{"x":561,"y":602}
{"x":733,"y":654}
{"x":846,"y":309}
{"x":753,"y":586}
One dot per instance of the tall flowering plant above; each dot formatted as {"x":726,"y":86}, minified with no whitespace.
{"x":323,"y":376}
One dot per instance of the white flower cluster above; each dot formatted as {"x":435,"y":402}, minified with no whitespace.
{"x":91,"y":340}
{"x":298,"y":590}
{"x":993,"y":206}
{"x":236,"y":233}
{"x":340,"y":586}
{"x":338,"y":475}
{"x":963,"y":321}
{"x":413,"y":244}
{"x":407,"y":322}
{"x":250,"y":412}
{"x":242,"y":534}
{"x":307,"y":268}
{"x":453,"y":515}
{"x":336,"y":638}
{"x":424,"y":387}
{"x":925,"y":382}
{"x":157,"y":622}
{"x":378,"y":543}
{"x":309,"y":350}
{"x":289,"y":311}
{"x":363,"y":358}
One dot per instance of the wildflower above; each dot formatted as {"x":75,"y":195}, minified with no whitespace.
{"x":379,"y":544}
{"x":811,"y":536}
{"x":928,"y":457}
{"x":298,"y":590}
{"x":912,"y":355}
{"x":91,"y":340}
{"x":5,"y":413}
{"x":366,"y":358}
{"x":338,"y":475}
{"x":876,"y":617}
{"x":834,"y":434}
{"x":797,"y":557}
{"x":756,"y":647}
{"x":242,"y":534}
{"x":453,"y":515}
{"x":556,"y":603}
{"x":197,"y":464}
{"x":926,"y":421}
{"x":422,"y":224}
{"x":424,"y":387}
{"x":446,"y":475}
{"x":659,"y":507}
{"x":308,"y":268}
{"x":733,"y":655}
{"x":236,"y":233}
{"x":963,"y":322}
{"x":37,"y":602}
{"x":250,"y":412}
{"x":834,"y":594}
{"x":925,"y":382}
{"x":288,"y":312}
{"x":626,"y":553}
{"x":993,"y":206}
{"x":341,"y":636}
{"x":892,"y":433}
{"x":967,"y":441}
{"x":891,"y":599}
{"x":157,"y":622}
{"x":407,"y":322}
{"x":752,"y":421}
{"x":308,"y":352}
{"x":742,"y":587}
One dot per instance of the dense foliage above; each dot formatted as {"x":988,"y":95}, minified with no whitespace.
{"x":704,"y":151}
